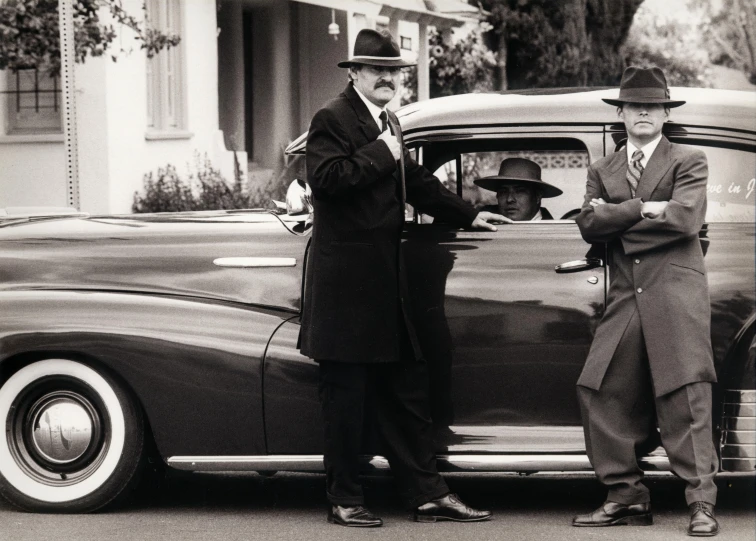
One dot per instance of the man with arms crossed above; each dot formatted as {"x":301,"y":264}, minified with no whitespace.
{"x":651,"y":362}
{"x":356,"y":320}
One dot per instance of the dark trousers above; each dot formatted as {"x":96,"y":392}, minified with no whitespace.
{"x":397,"y":395}
{"x":620,"y":421}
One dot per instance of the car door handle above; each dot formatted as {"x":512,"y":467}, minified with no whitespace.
{"x":255,"y":262}
{"x":587,"y":263}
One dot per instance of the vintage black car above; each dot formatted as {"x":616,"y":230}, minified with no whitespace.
{"x":177,"y":332}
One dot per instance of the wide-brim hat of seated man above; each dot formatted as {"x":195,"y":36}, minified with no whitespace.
{"x":519,"y":189}
{"x":643,"y":85}
{"x":519,"y":171}
{"x":374,"y":48}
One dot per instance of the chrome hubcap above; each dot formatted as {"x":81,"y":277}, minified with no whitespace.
{"x":62,"y":430}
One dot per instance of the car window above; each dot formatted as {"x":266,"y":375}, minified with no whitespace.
{"x":564,"y":168}
{"x":731,"y":185}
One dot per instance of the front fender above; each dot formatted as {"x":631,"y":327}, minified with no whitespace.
{"x":194,"y":365}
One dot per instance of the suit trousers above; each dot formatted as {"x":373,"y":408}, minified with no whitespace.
{"x":397,"y":395}
{"x":620,"y":423}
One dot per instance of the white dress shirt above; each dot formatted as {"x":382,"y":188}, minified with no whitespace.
{"x":647,"y":149}
{"x":374,"y":110}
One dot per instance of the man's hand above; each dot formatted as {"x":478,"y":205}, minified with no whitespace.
{"x":392,"y":143}
{"x":652,"y":209}
{"x":595,"y":202}
{"x":485,"y":220}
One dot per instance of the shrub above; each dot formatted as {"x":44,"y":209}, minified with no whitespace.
{"x":205,"y":189}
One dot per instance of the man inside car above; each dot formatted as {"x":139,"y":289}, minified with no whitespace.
{"x":519,"y":190}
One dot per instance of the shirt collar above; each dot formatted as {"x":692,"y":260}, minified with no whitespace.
{"x":647,"y":149}
{"x":374,"y":110}
{"x":538,"y":216}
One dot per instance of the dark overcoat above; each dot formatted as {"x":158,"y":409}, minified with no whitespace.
{"x":355,"y":305}
{"x":656,"y":265}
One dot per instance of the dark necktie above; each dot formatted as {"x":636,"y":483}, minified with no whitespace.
{"x":634,"y":171}
{"x":384,"y":121}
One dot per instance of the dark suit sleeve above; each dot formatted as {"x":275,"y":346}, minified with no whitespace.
{"x":684,"y":215}
{"x":606,"y":222}
{"x":426,"y":193}
{"x":334,"y":166}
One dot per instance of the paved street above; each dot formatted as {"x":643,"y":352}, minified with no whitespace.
{"x":292,"y":506}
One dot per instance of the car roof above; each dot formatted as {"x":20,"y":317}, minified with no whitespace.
{"x":705,"y":107}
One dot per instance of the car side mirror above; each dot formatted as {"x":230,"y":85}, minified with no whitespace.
{"x":299,"y":198}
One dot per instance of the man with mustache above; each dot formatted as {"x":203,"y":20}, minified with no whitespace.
{"x":356,"y":320}
{"x":650,"y":365}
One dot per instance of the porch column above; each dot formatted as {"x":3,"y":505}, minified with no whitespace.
{"x":423,"y":75}
{"x":231,"y":75}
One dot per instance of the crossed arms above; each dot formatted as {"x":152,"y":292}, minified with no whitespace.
{"x":643,"y":226}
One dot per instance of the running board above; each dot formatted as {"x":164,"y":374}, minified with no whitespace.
{"x":445,"y":463}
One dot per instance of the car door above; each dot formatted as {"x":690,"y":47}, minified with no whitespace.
{"x":504,"y":333}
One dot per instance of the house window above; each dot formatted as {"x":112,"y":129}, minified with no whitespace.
{"x":164,"y":74}
{"x":406,"y":43}
{"x":33,"y":99}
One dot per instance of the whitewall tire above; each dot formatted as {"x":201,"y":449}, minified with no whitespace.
{"x":74,"y":438}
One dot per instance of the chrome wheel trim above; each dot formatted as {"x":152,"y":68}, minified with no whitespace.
{"x":20,"y":477}
{"x":62,"y":428}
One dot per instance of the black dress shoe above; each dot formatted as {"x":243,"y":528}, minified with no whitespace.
{"x":449,"y":507}
{"x":617,"y":514}
{"x":702,"y":521}
{"x":356,"y":516}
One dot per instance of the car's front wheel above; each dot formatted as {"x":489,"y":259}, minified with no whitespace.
{"x":74,"y":437}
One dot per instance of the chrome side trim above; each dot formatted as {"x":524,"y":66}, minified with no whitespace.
{"x":738,"y":443}
{"x":739,"y":437}
{"x":255,"y":262}
{"x":739,"y":465}
{"x":739,"y":423}
{"x":731,"y":450}
{"x":740,"y":396}
{"x":739,"y":410}
{"x":445,"y":463}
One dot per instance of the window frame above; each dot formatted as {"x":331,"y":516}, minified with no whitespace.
{"x":165,"y":111}
{"x":49,"y":122}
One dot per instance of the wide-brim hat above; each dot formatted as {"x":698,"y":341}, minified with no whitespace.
{"x":376,"y":49}
{"x":516,"y":171}
{"x":643,"y":85}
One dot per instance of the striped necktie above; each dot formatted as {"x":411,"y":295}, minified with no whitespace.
{"x":634,"y":171}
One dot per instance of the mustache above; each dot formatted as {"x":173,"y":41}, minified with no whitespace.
{"x":388,"y":84}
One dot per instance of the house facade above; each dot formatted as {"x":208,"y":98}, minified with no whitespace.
{"x":245,"y":80}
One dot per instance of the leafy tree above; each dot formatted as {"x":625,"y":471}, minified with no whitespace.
{"x":730,"y":34}
{"x":672,"y":43}
{"x":456,"y":66}
{"x":29,"y":33}
{"x":543,"y":43}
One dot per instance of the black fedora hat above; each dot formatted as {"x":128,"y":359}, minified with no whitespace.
{"x":643,"y":85}
{"x":376,"y":49}
{"x":516,"y":171}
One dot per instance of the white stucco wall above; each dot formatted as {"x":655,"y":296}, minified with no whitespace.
{"x":130,"y":154}
{"x":114,"y":153}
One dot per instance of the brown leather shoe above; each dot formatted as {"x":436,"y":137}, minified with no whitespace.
{"x":356,"y":516}
{"x":702,"y":521}
{"x":449,"y":507}
{"x":617,"y":514}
